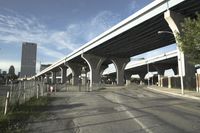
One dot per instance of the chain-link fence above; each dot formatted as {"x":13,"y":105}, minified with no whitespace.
{"x":17,"y":93}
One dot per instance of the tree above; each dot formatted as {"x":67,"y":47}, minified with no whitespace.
{"x":189,"y":39}
{"x":11,"y":73}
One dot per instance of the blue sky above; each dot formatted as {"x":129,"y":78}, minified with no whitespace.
{"x":57,"y":26}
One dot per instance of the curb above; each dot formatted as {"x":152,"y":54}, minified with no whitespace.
{"x":175,"y":94}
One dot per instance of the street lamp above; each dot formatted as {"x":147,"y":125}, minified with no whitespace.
{"x":167,"y":32}
{"x":179,"y":58}
{"x":147,"y":72}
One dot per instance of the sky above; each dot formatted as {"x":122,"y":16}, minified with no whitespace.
{"x":58,"y":26}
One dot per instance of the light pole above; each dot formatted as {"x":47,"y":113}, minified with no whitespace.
{"x":167,"y":32}
{"x":179,"y":59}
{"x":147,"y":72}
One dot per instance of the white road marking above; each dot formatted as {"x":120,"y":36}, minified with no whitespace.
{"x":122,"y":107}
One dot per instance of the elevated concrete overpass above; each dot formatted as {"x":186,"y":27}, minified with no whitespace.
{"x":158,"y":63}
{"x":135,"y":35}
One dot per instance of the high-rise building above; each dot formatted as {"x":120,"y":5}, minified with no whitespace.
{"x":28,"y":59}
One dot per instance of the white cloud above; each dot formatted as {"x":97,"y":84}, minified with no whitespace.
{"x":5,"y":65}
{"x":15,"y":29}
{"x":101,"y":22}
{"x":51,"y":52}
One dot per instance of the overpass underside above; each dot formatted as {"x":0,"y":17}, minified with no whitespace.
{"x":128,"y":40}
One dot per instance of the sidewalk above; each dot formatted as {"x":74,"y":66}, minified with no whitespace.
{"x":176,"y":92}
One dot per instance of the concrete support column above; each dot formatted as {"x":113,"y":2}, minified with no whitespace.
{"x":175,"y":69}
{"x":142,"y":76}
{"x":41,"y":78}
{"x":94,"y":63}
{"x":63,"y":74}
{"x":161,"y":82}
{"x":185,"y":69}
{"x":160,"y":75}
{"x":120,"y":64}
{"x":128,"y":77}
{"x":169,"y":82}
{"x":38,"y":78}
{"x":47,"y":78}
{"x":76,"y":72}
{"x":84,"y":76}
{"x":102,"y":68}
{"x":53,"y":77}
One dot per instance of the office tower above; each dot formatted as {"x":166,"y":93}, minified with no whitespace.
{"x":28,"y":59}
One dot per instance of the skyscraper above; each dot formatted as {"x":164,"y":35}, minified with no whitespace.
{"x":28,"y":59}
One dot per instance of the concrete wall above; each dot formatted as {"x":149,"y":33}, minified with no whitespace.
{"x":174,"y":82}
{"x":164,"y":81}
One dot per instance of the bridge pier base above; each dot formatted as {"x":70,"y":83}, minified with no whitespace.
{"x":120,"y":64}
{"x":142,"y":76}
{"x":76,"y":72}
{"x":160,"y":76}
{"x":53,"y":77}
{"x":128,"y":78}
{"x":47,"y":78}
{"x":185,"y":69}
{"x":63,"y":74}
{"x":94,"y":63}
{"x":175,"y":69}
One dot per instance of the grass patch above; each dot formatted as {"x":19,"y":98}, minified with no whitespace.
{"x":18,"y":116}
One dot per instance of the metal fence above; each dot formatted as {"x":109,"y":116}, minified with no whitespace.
{"x":18,"y":93}
{"x":197,"y":82}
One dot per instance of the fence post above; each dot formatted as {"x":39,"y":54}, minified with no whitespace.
{"x":43,"y":88}
{"x":169,"y":82}
{"x":161,"y":82}
{"x":6,"y":104}
{"x":37,"y":90}
{"x":24,"y":91}
{"x":19,"y":91}
{"x":198,"y":82}
{"x":198,"y":75}
{"x":11,"y":89}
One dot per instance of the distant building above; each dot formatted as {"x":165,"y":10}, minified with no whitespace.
{"x":28,"y":59}
{"x":4,"y":73}
{"x":18,"y":74}
{"x":43,"y":66}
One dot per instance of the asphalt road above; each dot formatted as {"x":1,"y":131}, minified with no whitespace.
{"x":119,"y":110}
